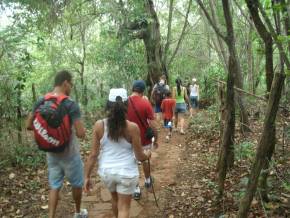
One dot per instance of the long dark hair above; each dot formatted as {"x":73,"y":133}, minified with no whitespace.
{"x":116,"y":119}
{"x":178,"y":85}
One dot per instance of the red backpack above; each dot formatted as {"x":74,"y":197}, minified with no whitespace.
{"x":51,"y":124}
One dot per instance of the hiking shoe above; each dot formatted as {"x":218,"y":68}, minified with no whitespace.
{"x":137,"y":193}
{"x":167,"y":138}
{"x":149,"y":185}
{"x":82,"y":214}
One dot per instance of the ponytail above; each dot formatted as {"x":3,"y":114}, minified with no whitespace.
{"x":116,"y":118}
{"x":178,"y":85}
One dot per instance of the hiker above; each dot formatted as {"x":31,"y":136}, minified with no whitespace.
{"x":180,"y":95}
{"x":65,"y":159}
{"x":117,"y":142}
{"x":158,"y":94}
{"x":194,"y":96}
{"x":140,"y":112}
{"x":168,"y":109}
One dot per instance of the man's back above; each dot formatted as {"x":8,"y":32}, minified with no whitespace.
{"x":145,"y":111}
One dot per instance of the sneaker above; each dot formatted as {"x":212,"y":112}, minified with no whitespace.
{"x":149,"y":185}
{"x":82,"y":214}
{"x":137,"y":193}
{"x":182,"y":132}
{"x":167,"y":138}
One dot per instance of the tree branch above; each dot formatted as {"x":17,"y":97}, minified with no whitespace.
{"x":182,"y":33}
{"x":216,"y":29}
{"x":274,"y":35}
{"x":168,"y":38}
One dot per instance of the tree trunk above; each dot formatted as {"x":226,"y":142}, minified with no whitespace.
{"x":238,"y":78}
{"x":33,"y":92}
{"x":227,"y":153}
{"x":265,"y":144}
{"x":268,"y":42}
{"x":251,"y":72}
{"x":19,"y":117}
{"x":76,"y":92}
{"x":152,"y":44}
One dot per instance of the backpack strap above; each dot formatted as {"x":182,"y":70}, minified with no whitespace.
{"x":59,"y":98}
{"x":136,"y":112}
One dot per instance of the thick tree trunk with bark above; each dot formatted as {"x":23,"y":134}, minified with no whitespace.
{"x":152,"y":42}
{"x":227,"y":152}
{"x":264,"y":147}
{"x":268,"y":42}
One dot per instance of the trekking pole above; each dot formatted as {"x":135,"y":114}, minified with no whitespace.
{"x":153,"y":191}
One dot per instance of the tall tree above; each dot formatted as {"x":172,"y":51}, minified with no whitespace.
{"x":227,"y":153}
{"x":265,"y":146}
{"x":268,"y":43}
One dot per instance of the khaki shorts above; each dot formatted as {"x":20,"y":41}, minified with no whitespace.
{"x":121,"y":184}
{"x":147,"y":147}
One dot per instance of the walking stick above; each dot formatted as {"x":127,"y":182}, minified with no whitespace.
{"x":153,"y":190}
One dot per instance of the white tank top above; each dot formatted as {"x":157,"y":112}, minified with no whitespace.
{"x":116,"y":157}
{"x":193,"y":90}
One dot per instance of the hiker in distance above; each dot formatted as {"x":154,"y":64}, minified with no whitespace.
{"x":180,"y":95}
{"x":117,"y":142}
{"x":194,"y":97}
{"x":56,"y":121}
{"x":158,"y":94}
{"x":168,"y":110}
{"x":140,"y":112}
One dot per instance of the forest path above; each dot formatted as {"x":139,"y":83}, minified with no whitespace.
{"x":164,"y":163}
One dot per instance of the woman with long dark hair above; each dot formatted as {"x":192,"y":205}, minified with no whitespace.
{"x":180,"y":95}
{"x":117,"y":142}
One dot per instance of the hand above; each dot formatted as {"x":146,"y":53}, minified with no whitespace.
{"x":147,"y":153}
{"x":87,"y":185}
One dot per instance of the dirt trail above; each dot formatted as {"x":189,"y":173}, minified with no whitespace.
{"x":164,"y":162}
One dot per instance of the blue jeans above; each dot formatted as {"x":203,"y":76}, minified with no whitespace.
{"x":71,"y":167}
{"x":193,"y":102}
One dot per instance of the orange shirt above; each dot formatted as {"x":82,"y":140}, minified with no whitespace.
{"x":167,"y":106}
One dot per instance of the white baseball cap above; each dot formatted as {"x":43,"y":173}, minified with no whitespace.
{"x":114,"y":93}
{"x":193,"y":79}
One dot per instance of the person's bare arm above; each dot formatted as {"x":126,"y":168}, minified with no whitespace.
{"x":80,"y":129}
{"x":92,"y":159}
{"x":153,"y":124}
{"x":28,"y":123}
{"x":136,"y":142}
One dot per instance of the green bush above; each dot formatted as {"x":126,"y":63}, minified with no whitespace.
{"x":244,"y":150}
{"x":206,"y":123}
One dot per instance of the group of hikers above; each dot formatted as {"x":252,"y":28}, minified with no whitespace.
{"x":120,"y":141}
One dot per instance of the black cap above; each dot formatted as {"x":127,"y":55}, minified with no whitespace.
{"x":139,"y":86}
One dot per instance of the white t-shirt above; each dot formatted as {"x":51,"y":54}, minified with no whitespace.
{"x":194,"y":90}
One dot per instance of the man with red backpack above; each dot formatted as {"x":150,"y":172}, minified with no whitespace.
{"x":158,"y":94}
{"x":56,"y":122}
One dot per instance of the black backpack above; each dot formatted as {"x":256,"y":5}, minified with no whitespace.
{"x":159,"y":93}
